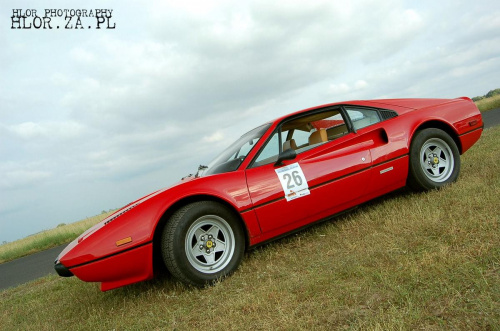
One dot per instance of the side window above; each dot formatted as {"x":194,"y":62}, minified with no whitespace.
{"x":303,"y":133}
{"x":362,"y":117}
{"x":269,"y":153}
{"x":300,"y":137}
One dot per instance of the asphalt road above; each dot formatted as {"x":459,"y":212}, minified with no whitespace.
{"x":28,"y":268}
{"x":491,"y":118}
{"x":41,"y":264}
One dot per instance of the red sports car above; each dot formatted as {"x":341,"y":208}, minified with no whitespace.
{"x":277,"y":178}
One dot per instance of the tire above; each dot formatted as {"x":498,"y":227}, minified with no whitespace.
{"x":202,"y":242}
{"x":434,"y":160}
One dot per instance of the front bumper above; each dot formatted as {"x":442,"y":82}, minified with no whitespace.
{"x":126,"y":267}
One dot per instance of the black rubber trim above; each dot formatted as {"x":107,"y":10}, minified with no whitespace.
{"x":246,"y":210}
{"x":328,"y":182}
{"x":265,"y":203}
{"x":341,"y":177}
{"x":480,"y":128}
{"x":62,"y":270}
{"x":111,"y":255}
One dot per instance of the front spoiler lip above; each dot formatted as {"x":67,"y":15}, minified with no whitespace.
{"x":62,"y":270}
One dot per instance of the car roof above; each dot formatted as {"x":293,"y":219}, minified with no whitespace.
{"x":401,"y":105}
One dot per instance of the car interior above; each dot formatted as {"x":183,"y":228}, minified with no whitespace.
{"x":318,"y":128}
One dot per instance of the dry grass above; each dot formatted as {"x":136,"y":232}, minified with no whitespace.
{"x":47,"y":239}
{"x":406,"y":261}
{"x":488,"y":103}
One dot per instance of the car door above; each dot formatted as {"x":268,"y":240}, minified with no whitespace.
{"x":335,"y":171}
{"x":388,"y":150}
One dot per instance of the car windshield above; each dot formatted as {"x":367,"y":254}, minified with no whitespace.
{"x":231,"y":158}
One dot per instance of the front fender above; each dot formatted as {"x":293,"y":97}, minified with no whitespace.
{"x":136,"y":226}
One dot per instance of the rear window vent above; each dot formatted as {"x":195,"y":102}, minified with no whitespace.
{"x":386,"y":114}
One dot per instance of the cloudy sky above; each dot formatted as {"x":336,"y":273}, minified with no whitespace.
{"x":93,"y":119}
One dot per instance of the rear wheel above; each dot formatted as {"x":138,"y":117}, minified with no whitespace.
{"x":434,"y":160}
{"x":202,"y":242}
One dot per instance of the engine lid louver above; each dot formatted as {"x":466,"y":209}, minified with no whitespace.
{"x":386,"y":114}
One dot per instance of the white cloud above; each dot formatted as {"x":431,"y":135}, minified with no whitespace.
{"x":345,"y":90}
{"x":21,"y":178}
{"x":82,"y":55}
{"x":215,"y":137}
{"x":341,"y":88}
{"x":59,"y":79}
{"x":53,"y":130}
{"x":360,"y":84}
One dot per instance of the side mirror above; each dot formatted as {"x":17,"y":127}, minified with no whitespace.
{"x":288,"y":154}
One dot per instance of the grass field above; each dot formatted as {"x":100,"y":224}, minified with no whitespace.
{"x":488,"y":103}
{"x":405,"y":261}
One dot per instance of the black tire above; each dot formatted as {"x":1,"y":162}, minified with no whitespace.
{"x":434,"y":160}
{"x":202,"y":242}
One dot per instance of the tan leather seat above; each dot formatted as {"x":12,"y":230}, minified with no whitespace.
{"x":318,"y":137}
{"x":289,"y":144}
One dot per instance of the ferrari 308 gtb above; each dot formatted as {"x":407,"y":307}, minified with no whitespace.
{"x":279,"y":177}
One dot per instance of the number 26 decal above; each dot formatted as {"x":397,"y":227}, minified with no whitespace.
{"x":293,"y":181}
{"x":295,"y":177}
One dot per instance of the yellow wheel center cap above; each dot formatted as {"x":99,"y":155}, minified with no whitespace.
{"x":436,"y":160}
{"x":209,"y":244}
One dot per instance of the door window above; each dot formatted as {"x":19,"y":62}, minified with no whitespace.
{"x":302,"y":134}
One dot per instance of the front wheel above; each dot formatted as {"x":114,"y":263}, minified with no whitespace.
{"x":434,"y":160}
{"x":202,"y":242}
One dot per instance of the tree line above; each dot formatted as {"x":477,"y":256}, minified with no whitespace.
{"x":487,"y":95}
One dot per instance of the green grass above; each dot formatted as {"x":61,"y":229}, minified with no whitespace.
{"x":488,"y":103}
{"x":46,"y":239}
{"x":405,"y":261}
